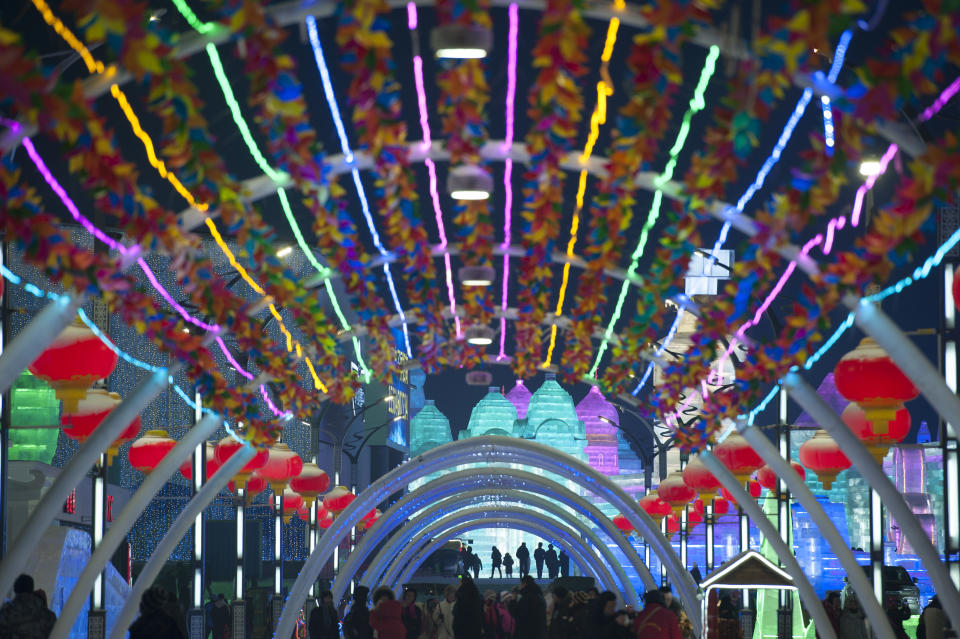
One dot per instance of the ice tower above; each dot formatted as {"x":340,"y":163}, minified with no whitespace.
{"x":429,"y":428}
{"x":493,"y":415}
{"x":520,"y":396}
{"x":601,"y":449}
{"x":552,"y":420}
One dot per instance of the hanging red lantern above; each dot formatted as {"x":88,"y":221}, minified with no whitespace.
{"x":88,"y":415}
{"x":720,"y":506}
{"x":149,"y":450}
{"x":226,"y":448}
{"x":822,"y":455}
{"x":867,"y":376}
{"x":673,"y":525}
{"x":698,"y":507}
{"x":325,"y":520}
{"x":693,"y":519}
{"x":254,"y":486}
{"x":311,"y":482}
{"x":186,"y":469}
{"x":368,"y":522}
{"x":623,"y":524}
{"x":698,"y":476}
{"x":337,"y":500}
{"x":956,"y":290}
{"x":73,"y":362}
{"x":291,"y":502}
{"x":877,"y":443}
{"x":654,"y":506}
{"x":303,"y":512}
{"x":282,"y":465}
{"x":753,"y":489}
{"x":676,"y":492}
{"x":739,"y":458}
{"x":768,"y":479}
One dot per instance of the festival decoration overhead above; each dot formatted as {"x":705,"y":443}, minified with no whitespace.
{"x":768,"y":479}
{"x":310,"y":483}
{"x":148,"y":451}
{"x":878,"y":443}
{"x":823,"y":455}
{"x":89,"y":412}
{"x":227,"y":447}
{"x":868,"y":377}
{"x":72,"y":363}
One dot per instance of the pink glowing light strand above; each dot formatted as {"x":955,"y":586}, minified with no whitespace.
{"x":869,"y":182}
{"x":432,"y":168}
{"x":213,"y":328}
{"x":514,"y":18}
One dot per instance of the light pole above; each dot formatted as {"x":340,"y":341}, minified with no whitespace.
{"x":338,"y":441}
{"x":660,"y":447}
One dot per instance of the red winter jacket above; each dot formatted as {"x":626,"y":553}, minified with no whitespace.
{"x":656,"y":622}
{"x":385,"y":618}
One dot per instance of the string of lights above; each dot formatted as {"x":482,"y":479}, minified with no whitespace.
{"x":697,"y":103}
{"x":799,"y":109}
{"x":354,"y":171}
{"x":597,"y":118}
{"x":428,"y":161}
{"x":97,"y":67}
{"x":510,"y":114}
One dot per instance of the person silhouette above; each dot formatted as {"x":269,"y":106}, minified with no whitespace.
{"x":538,"y":556}
{"x":523,"y":560}
{"x":552,"y":561}
{"x":564,"y":560}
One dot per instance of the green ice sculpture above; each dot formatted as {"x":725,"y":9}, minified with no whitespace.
{"x":33,"y":403}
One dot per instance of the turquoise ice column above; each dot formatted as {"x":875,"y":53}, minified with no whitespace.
{"x":429,"y":428}
{"x":520,"y":396}
{"x":601,"y":449}
{"x":552,"y":419}
{"x":493,"y":415}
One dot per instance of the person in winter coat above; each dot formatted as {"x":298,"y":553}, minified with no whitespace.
{"x":411,"y":615}
{"x":220,"y":618}
{"x":159,"y":617}
{"x":356,"y":625}
{"x":603,"y":621}
{"x":851,"y":625}
{"x":26,"y":616}
{"x":429,"y":627}
{"x":495,"y":560}
{"x":564,"y":565}
{"x":475,"y":564}
{"x":508,"y":565}
{"x":443,"y":614}
{"x":497,"y":622}
{"x":385,"y":618}
{"x":538,"y":556}
{"x":933,"y":621}
{"x":530,"y":611}
{"x":523,"y":560}
{"x":564,"y":624}
{"x":552,"y":561}
{"x":656,"y":621}
{"x":324,"y":622}
{"x":468,"y":612}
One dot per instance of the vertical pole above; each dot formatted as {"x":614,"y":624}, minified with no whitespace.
{"x":6,"y":409}
{"x":239,"y":605}
{"x":876,"y":543}
{"x":684,"y":533}
{"x":784,"y":522}
{"x":948,"y":432}
{"x":663,"y":565}
{"x":97,"y":616}
{"x":196,"y":619}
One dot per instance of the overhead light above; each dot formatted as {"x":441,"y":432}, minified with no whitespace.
{"x":469,"y":182}
{"x":476,"y":275}
{"x":285,"y":251}
{"x":869,"y":168}
{"x":479,"y":335}
{"x":460,"y":41}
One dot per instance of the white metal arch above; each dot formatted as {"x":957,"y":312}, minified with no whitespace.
{"x":405,"y":539}
{"x":506,"y":450}
{"x":497,"y":479}
{"x":544,"y":529}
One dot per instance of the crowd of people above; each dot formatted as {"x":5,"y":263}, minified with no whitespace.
{"x":525,"y":612}
{"x":556,"y":562}
{"x":849,"y":621}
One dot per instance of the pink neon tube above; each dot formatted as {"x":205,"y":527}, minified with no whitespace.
{"x":508,"y":171}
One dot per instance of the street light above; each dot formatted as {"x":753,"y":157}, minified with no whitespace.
{"x":660,"y":447}
{"x":337,"y":442}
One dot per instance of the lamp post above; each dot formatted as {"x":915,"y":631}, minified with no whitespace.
{"x":338,"y":440}
{"x":660,"y":447}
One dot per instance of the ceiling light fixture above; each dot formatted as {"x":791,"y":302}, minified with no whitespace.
{"x":479,"y":335}
{"x":285,"y":251}
{"x":469,"y":182}
{"x":461,"y":42}
{"x":476,"y":275}
{"x":869,"y":168}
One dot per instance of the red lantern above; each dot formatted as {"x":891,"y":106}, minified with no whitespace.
{"x":721,"y":507}
{"x":753,"y":489}
{"x":623,"y":524}
{"x":149,"y":450}
{"x":956,"y":291}
{"x":291,"y":502}
{"x":697,"y":476}
{"x":254,"y":486}
{"x":736,"y":454}
{"x":303,"y":512}
{"x":73,"y":362}
{"x":654,"y":506}
{"x":867,"y":376}
{"x":877,"y":443}
{"x":225,"y":449}
{"x":822,"y":455}
{"x":337,"y":500}
{"x":374,"y":517}
{"x":282,"y":465}
{"x":673,"y":525}
{"x":324,"y":519}
{"x":187,"y":468}
{"x":311,"y":482}
{"x":676,"y":492}
{"x":768,"y":479}
{"x":88,"y":415}
{"x":693,"y":518}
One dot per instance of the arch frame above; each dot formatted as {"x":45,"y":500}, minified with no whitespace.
{"x":405,"y":539}
{"x":488,"y":450}
{"x":495,"y":477}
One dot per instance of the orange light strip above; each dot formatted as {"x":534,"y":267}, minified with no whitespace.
{"x":97,"y":67}
{"x":597,"y":118}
